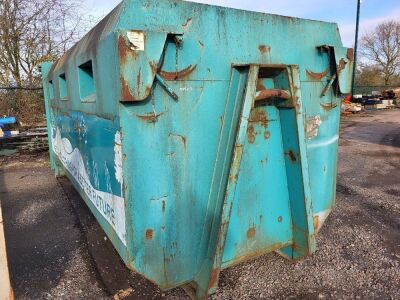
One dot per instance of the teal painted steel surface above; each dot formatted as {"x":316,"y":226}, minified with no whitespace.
{"x":200,"y":136}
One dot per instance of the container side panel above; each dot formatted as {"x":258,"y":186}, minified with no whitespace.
{"x":170,"y":152}
{"x":88,"y":149}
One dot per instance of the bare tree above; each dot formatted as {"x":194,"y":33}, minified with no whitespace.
{"x":33,"y":31}
{"x":382,"y":48}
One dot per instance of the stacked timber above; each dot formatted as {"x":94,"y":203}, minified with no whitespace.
{"x":31,"y":140}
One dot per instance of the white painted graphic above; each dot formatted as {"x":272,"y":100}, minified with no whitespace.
{"x":118,"y":158}
{"x":111,"y":207}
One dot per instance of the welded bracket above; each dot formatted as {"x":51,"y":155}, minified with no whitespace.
{"x":341,"y":60}
{"x":240,"y":100}
{"x":293,"y":124}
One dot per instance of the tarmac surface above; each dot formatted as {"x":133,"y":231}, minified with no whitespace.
{"x":56,"y":250}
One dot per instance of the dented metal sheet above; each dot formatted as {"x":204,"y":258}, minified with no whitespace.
{"x":344,"y":60}
{"x":137,"y":67}
{"x":197,"y":142}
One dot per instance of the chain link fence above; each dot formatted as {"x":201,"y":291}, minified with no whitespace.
{"x":368,"y":89}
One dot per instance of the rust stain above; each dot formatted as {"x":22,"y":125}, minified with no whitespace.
{"x":272,"y":93}
{"x":233,"y":178}
{"x":153,"y":66}
{"x":251,"y":233}
{"x":125,"y":53}
{"x":186,"y":25}
{"x":318,"y":76}
{"x":149,"y":234}
{"x":291,"y":155}
{"x":328,"y":106}
{"x":125,"y":91}
{"x":250,"y":134}
{"x":260,"y":86}
{"x":258,"y":115}
{"x":350,"y":54}
{"x":341,"y":66}
{"x":138,"y":78}
{"x":267,"y":135}
{"x":150,"y":117}
{"x":264,"y":49}
{"x":177,"y":75}
{"x":123,"y":50}
{"x":76,"y":124}
{"x":183,"y":138}
{"x":258,"y":253}
{"x":213,"y":278}
{"x":315,"y":221}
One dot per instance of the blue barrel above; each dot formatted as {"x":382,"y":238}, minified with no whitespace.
{"x":7,"y":121}
{"x":200,"y":136}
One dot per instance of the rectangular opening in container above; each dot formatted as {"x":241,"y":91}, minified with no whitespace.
{"x":51,"y":89}
{"x":62,"y":86}
{"x":86,"y":81}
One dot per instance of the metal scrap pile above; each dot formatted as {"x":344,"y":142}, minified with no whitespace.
{"x":397,"y":96}
{"x":13,"y":141}
{"x":350,"y":107}
{"x":377,"y":100}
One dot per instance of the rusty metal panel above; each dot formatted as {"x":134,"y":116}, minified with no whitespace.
{"x":196,"y":141}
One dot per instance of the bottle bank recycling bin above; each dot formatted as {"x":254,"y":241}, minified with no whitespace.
{"x":200,"y":136}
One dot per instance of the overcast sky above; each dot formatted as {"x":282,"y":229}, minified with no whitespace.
{"x":341,"y":11}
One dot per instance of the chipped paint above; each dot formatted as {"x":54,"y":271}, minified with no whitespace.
{"x":320,"y":218}
{"x":312,"y":126}
{"x":264,"y":49}
{"x":251,"y":233}
{"x":118,"y":157}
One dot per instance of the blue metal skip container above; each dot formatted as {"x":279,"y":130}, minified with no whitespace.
{"x":200,"y":136}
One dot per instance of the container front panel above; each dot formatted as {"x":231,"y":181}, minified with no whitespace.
{"x":260,"y":220}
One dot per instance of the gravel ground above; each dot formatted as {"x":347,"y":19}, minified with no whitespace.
{"x":47,"y":253}
{"x":56,"y":249}
{"x":358,"y":250}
